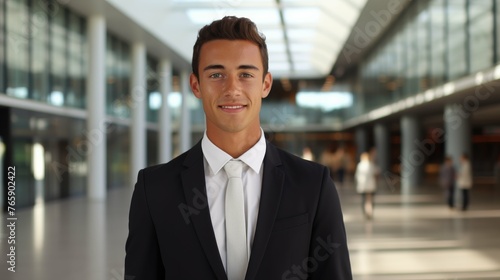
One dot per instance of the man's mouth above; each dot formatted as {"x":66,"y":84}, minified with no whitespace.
{"x":233,"y":107}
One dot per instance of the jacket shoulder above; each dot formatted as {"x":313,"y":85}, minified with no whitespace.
{"x":176,"y":164}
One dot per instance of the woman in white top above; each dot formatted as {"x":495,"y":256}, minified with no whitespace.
{"x":464,"y":180}
{"x":366,"y":183}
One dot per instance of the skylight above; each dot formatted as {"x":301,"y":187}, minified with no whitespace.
{"x":306,"y":36}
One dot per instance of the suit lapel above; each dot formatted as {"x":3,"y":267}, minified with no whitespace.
{"x":193,"y":182}
{"x":272,"y":186}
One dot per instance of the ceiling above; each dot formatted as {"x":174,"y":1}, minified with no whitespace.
{"x":304,"y":38}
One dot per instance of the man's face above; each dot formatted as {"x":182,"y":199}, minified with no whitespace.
{"x":231,"y":85}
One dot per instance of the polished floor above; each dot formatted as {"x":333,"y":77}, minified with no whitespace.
{"x":412,"y":236}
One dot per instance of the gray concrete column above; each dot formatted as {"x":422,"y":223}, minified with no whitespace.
{"x":185,"y":127}
{"x":457,"y":132}
{"x":138,"y":111}
{"x":382,"y":146}
{"x":165,"y":121}
{"x":361,"y":138}
{"x":96,"y":108}
{"x":412,"y":158}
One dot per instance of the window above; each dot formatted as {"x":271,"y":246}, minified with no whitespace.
{"x":481,"y":35}
{"x":17,"y":58}
{"x":399,"y":63}
{"x":58,"y":58}
{"x":153,"y":89}
{"x":422,"y":35}
{"x":117,"y":77}
{"x":110,"y":76}
{"x":411,"y":84}
{"x":456,"y":34}
{"x":40,"y":53}
{"x":2,"y":47}
{"x":76,"y":58}
{"x":497,"y":35}
{"x":438,"y":45}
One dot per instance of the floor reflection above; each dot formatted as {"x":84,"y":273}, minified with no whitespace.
{"x":417,"y":237}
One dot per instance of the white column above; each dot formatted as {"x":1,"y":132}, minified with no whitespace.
{"x":458,"y":132}
{"x":96,"y":108}
{"x":165,"y":121}
{"x":185,"y":127}
{"x":412,"y":158}
{"x":382,"y":145}
{"x":138,"y":111}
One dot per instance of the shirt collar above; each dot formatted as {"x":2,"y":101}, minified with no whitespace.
{"x":217,"y":158}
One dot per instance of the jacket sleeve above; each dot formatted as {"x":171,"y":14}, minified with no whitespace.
{"x":143,"y":259}
{"x":328,"y":252}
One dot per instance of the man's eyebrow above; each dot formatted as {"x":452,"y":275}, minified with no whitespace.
{"x":245,"y":66}
{"x":213,"y":66}
{"x":219,"y":66}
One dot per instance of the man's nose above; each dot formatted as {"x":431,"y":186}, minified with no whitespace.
{"x":233,"y":86}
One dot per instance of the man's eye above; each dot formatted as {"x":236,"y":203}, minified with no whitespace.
{"x":216,"y":75}
{"x":246,"y":75}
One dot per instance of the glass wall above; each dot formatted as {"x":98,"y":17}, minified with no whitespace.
{"x":77,"y":66}
{"x":399,"y":64}
{"x":456,"y":31}
{"x":45,"y":53}
{"x":42,"y":57}
{"x":40,"y":61}
{"x":153,"y":104}
{"x":50,"y":155}
{"x":423,"y":46}
{"x":411,"y":64}
{"x":431,"y":43}
{"x":118,"y":156}
{"x":481,"y":31}
{"x":2,"y":47}
{"x":153,"y":89}
{"x":25,"y":192}
{"x":497,"y":29}
{"x":58,"y":56}
{"x":17,"y":58}
{"x":438,"y":39}
{"x":66,"y":60}
{"x":118,"y":66}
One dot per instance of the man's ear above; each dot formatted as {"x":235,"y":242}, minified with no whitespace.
{"x":195,"y":85}
{"x":268,"y":82}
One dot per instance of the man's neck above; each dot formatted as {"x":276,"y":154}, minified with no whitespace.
{"x":235,"y":144}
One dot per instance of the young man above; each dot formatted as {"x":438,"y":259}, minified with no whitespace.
{"x":279,"y":217}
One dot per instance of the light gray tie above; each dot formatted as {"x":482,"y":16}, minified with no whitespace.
{"x":236,"y":233}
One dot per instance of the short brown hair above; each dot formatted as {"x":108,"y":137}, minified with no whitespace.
{"x":230,"y":28}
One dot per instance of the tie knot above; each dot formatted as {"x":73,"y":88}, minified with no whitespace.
{"x":233,"y":168}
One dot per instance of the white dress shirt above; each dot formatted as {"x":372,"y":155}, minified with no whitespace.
{"x":216,"y":182}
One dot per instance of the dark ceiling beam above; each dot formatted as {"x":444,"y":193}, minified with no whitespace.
{"x":285,"y":36}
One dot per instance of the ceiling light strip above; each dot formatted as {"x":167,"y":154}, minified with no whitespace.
{"x":285,"y":36}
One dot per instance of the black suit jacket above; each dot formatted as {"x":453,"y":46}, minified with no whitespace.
{"x":299,"y":235}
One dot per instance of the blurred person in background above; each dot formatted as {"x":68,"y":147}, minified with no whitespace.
{"x":341,"y":163}
{"x":447,"y":180}
{"x":464,"y":180}
{"x":366,"y":176}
